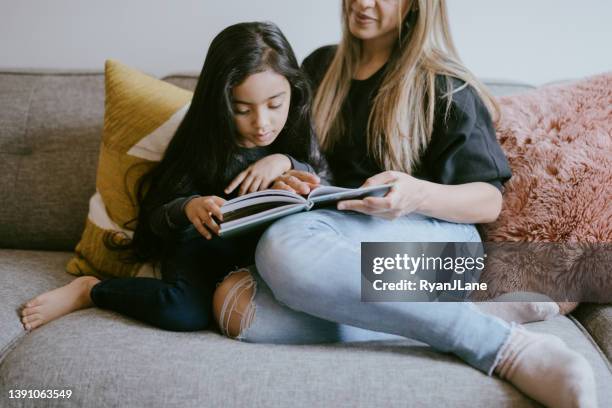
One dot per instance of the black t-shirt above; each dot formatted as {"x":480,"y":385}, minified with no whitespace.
{"x":463,"y":147}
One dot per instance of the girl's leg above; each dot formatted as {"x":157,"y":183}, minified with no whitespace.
{"x":180,"y":301}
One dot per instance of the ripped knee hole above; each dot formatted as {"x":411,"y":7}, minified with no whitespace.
{"x":233,"y":303}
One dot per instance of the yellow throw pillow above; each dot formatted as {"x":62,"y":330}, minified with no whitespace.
{"x":141,"y":116}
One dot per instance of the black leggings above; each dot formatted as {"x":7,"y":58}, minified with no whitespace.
{"x":182,"y":299}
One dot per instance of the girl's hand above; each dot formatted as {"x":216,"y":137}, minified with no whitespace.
{"x":201,"y":211}
{"x":297,"y":181}
{"x":405,"y":196}
{"x":259,"y":175}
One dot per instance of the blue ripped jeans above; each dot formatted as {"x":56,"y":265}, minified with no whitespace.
{"x":308,"y":288}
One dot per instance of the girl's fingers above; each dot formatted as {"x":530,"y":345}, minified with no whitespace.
{"x":265,"y":184}
{"x":255,"y":186}
{"x":236,"y":181}
{"x":212,"y":225}
{"x":199,"y":225}
{"x":215,"y":210}
{"x":246,"y":184}
{"x":209,"y":223}
{"x":218,"y":200}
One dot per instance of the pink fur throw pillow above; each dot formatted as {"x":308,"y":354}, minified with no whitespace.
{"x":558,"y":140}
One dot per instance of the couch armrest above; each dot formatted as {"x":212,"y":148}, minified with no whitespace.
{"x":597,"y":319}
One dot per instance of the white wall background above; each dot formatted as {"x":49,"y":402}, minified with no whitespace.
{"x":534,"y":41}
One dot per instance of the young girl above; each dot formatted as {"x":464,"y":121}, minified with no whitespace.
{"x":248,"y":123}
{"x":395,"y":104}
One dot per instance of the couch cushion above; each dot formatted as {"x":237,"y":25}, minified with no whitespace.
{"x":501,"y":87}
{"x":597,"y":319}
{"x":141,"y":116}
{"x":23,"y":275}
{"x":109,"y":360}
{"x":49,"y":135}
{"x":498,"y":87}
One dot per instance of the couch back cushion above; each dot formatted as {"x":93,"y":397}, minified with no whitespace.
{"x":50,"y":127}
{"x":50,"y":133}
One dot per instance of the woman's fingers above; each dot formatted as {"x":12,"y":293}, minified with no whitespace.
{"x":380,"y":178}
{"x":236,"y":181}
{"x":354,"y":205}
{"x":383,"y":203}
{"x":299,"y":186}
{"x":363,"y":206}
{"x":281,"y":185}
{"x":305,"y":176}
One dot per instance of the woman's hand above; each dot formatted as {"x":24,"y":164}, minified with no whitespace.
{"x":473,"y":203}
{"x":297,"y":181}
{"x":259,"y":175}
{"x":405,"y":196}
{"x":201,"y":210}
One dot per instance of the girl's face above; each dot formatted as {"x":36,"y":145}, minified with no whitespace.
{"x":372,"y":19}
{"x":261,"y":105}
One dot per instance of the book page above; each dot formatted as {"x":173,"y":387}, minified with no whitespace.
{"x":327,"y":194}
{"x":325,"y":190}
{"x":258,"y":204}
{"x":251,"y":221}
{"x":264,"y":193}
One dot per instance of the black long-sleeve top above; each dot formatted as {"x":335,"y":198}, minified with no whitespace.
{"x":169,"y":218}
{"x":463,"y":147}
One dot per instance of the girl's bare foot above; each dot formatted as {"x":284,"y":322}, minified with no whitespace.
{"x":58,"y":302}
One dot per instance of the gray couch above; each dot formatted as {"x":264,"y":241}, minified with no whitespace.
{"x":50,"y":126}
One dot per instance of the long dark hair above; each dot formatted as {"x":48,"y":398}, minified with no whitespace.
{"x":206,"y":140}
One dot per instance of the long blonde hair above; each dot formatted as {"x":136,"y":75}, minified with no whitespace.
{"x":402,"y":118}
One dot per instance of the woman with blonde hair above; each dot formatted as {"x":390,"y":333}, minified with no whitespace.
{"x":394,"y":104}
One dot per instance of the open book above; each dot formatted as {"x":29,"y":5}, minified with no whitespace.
{"x":249,"y":211}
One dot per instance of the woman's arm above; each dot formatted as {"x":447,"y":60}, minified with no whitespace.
{"x":472,"y":203}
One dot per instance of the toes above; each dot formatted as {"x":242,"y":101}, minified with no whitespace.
{"x":31,"y":318}
{"x":35,"y":324}
{"x":32,"y":322}
{"x":34,"y":302}
{"x":30,"y":310}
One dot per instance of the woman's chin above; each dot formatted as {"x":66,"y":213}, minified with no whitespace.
{"x":363,"y":32}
